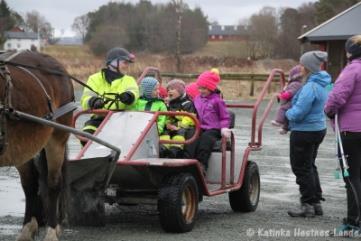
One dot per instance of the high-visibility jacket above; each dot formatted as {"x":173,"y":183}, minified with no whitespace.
{"x":98,"y":83}
{"x":144,"y":104}
{"x":182,"y":104}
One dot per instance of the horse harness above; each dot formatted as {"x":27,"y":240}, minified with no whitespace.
{"x":6,"y":109}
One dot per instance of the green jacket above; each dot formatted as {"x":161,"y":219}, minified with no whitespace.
{"x":98,"y":83}
{"x":144,"y":104}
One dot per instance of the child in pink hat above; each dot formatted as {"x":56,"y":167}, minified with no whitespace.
{"x":212,"y":114}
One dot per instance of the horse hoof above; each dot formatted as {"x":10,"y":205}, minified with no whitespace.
{"x":51,"y":235}
{"x":29,"y":230}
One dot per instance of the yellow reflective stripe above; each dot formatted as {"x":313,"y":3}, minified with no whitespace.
{"x":90,"y":127}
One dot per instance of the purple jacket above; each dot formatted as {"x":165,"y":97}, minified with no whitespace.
{"x":345,"y":97}
{"x":212,"y":112}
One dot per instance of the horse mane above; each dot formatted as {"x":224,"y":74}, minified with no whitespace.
{"x":39,"y":60}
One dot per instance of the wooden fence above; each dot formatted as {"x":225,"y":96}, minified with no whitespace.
{"x":227,"y":76}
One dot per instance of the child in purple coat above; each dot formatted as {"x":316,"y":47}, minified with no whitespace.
{"x":294,"y":84}
{"x":212,"y":114}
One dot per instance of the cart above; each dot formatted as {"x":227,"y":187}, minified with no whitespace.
{"x":177,"y":186}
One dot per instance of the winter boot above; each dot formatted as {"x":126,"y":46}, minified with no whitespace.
{"x":306,"y":211}
{"x":318,"y":209}
{"x":163,"y":151}
{"x":175,"y":152}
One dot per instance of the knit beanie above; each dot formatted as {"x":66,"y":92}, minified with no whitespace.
{"x":192,"y":90}
{"x":295,"y":74}
{"x":312,"y":60}
{"x":147,"y":86}
{"x":353,"y":46}
{"x":177,"y":84}
{"x":208,"y":80}
{"x":215,"y":70}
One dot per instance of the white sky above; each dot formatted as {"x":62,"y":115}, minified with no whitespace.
{"x":61,"y":13}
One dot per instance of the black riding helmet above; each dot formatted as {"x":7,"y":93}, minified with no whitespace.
{"x":119,"y":54}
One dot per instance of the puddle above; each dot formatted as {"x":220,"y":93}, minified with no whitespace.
{"x":12,"y":200}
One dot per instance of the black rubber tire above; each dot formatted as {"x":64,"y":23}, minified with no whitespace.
{"x":246,"y":198}
{"x":174,"y":216}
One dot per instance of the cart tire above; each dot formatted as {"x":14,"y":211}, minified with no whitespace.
{"x":178,"y":203}
{"x":246,"y":198}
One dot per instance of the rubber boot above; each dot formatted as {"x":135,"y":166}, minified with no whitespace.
{"x":306,"y":211}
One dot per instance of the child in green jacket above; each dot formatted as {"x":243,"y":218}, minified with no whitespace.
{"x":149,"y":100}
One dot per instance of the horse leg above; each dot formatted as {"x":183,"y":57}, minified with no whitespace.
{"x":33,"y":204}
{"x":55,"y":153}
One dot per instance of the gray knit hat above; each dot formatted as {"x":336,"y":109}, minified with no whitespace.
{"x":312,"y":60}
{"x":177,"y":84}
{"x":147,"y":86}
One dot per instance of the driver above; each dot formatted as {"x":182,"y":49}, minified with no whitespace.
{"x":114,"y":89}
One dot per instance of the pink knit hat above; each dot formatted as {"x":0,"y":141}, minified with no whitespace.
{"x":192,"y":90}
{"x":208,"y":80}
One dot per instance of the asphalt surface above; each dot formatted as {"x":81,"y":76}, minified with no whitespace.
{"x":216,"y":220}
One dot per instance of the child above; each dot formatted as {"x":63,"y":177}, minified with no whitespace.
{"x":149,"y":100}
{"x":179,"y":127}
{"x":294,"y":84}
{"x":212,"y":114}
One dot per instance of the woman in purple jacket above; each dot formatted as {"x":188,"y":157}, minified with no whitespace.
{"x":212,"y":114}
{"x":345,"y":100}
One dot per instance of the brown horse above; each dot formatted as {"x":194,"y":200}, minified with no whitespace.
{"x":38,"y":92}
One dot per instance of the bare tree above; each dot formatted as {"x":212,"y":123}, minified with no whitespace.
{"x":108,"y":36}
{"x":38,"y":24}
{"x":263,"y":32}
{"x":80,"y":25}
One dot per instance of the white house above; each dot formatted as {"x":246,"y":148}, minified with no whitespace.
{"x":21,"y":40}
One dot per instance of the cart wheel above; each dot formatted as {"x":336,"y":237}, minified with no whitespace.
{"x":246,"y":198}
{"x":178,"y":203}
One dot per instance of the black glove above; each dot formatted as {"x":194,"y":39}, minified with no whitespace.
{"x":126,"y":97}
{"x":96,"y":102}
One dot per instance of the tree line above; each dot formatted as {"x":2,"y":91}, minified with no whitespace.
{"x":174,"y":28}
{"x":273,"y":32}
{"x":143,"y":26}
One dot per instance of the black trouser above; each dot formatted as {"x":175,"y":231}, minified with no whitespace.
{"x":303,"y":152}
{"x":352,"y":148}
{"x":205,"y":145}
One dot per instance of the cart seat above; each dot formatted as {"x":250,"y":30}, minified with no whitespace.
{"x":218,"y":145}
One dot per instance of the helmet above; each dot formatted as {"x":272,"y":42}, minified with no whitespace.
{"x":119,"y":54}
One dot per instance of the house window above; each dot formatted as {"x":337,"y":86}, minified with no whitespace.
{"x":9,"y":45}
{"x":213,"y":37}
{"x":19,"y":45}
{"x":220,"y":37}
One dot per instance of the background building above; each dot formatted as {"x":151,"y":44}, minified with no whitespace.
{"x":332,"y":35}
{"x":19,"y":40}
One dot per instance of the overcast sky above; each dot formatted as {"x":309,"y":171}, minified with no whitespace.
{"x":61,"y":13}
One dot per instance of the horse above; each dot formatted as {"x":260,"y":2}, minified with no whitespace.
{"x":36,"y":84}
